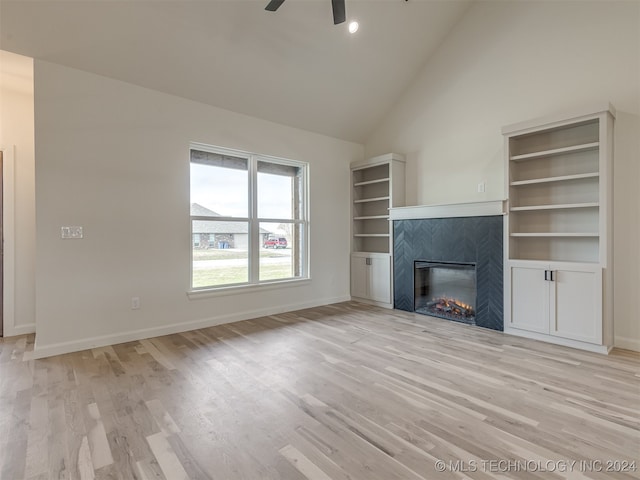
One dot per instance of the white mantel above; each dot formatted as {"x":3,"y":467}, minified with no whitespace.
{"x":471,"y":209}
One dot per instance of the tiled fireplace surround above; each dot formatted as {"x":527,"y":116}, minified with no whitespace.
{"x":476,"y":239}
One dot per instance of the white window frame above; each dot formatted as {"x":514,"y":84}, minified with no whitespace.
{"x":254,"y":221}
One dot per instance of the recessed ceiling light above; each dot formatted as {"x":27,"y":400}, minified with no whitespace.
{"x":353,"y":27}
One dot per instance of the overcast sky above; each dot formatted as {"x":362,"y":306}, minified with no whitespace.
{"x":224,"y":191}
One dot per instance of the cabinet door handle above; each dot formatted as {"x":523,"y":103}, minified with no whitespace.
{"x":551,"y":276}
{"x":546,"y":275}
{"x":368,"y":261}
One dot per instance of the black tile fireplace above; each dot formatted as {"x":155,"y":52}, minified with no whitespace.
{"x":460,"y":240}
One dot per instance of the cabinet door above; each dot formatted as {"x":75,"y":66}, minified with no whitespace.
{"x":529,"y":299}
{"x":380,"y":279}
{"x":576,"y":304}
{"x":359,"y":277}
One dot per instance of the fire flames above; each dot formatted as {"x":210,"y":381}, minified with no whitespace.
{"x":451,"y":306}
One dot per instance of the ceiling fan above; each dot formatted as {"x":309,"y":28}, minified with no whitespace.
{"x":339,"y":10}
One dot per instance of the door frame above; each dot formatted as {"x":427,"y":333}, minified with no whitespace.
{"x":8,"y":238}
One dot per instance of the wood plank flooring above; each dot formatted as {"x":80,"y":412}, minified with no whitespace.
{"x":346,"y":391}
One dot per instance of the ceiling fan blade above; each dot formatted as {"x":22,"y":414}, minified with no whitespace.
{"x":339,"y":11}
{"x":274,"y":5}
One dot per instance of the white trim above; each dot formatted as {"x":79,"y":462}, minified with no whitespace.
{"x":372,"y":302}
{"x":380,"y":159}
{"x":627,"y":343}
{"x":133,"y":335}
{"x":552,"y":121}
{"x":591,"y":347}
{"x":246,"y":288}
{"x":8,"y":227}
{"x":254,"y":241}
{"x":472,"y":209}
{"x":22,"y":330}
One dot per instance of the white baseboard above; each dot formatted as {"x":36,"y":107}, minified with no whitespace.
{"x":372,"y":302}
{"x":567,"y":342}
{"x":42,"y":351}
{"x":12,"y":331}
{"x":627,"y":343}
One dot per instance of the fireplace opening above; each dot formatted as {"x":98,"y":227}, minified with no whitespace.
{"x":445,"y":290}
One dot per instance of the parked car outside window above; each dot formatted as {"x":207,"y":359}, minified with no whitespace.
{"x":275,"y":242}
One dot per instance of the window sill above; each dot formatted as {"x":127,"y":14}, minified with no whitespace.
{"x":238,"y":289}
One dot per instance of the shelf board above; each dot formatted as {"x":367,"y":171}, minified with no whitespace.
{"x":376,"y":199}
{"x":555,"y":207}
{"x":371,"y":182}
{"x":372,"y":217}
{"x":561,"y":178}
{"x":370,"y":234}
{"x":368,"y":252}
{"x":537,"y":260}
{"x":556,"y":151}
{"x":555,"y":234}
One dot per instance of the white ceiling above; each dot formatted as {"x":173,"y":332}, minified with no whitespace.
{"x":292,"y":67}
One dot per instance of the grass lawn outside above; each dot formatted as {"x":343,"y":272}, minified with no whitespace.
{"x":232,"y":254}
{"x":228,"y":273}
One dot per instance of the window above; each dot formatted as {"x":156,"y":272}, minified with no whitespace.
{"x":248,"y":218}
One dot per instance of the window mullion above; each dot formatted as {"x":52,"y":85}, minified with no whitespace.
{"x":254,"y":223}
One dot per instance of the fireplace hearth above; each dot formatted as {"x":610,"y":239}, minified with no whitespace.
{"x":446,"y":290}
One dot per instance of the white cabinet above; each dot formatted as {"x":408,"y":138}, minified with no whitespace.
{"x":562,"y":300}
{"x":377,"y":184}
{"x":371,"y":277}
{"x":529,"y":301}
{"x":559,"y":179}
{"x":576,"y":303}
{"x":359,"y":276}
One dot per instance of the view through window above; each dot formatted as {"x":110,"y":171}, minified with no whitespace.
{"x":248,"y":218}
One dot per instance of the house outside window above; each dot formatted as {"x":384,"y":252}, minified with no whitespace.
{"x":249,"y":219}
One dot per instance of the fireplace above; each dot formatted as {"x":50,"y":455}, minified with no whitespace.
{"x":463,"y":240}
{"x":445,"y":290}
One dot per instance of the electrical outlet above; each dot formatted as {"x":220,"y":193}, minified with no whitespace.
{"x":71,"y":232}
{"x":482,"y":187}
{"x":135,"y":303}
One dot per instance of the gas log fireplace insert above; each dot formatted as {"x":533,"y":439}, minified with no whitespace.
{"x":446,"y":290}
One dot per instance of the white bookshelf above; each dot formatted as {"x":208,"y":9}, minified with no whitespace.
{"x":377,"y":184}
{"x":558,"y":229}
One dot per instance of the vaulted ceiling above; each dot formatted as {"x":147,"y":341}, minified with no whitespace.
{"x":292,"y":66}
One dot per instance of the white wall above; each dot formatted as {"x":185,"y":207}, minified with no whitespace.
{"x":113,"y":158}
{"x":507,"y":62}
{"x":16,"y":135}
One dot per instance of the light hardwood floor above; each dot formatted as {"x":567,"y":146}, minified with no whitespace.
{"x":346,"y":391}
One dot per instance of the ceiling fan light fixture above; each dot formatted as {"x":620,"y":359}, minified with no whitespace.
{"x":337,"y":6}
{"x":353,"y":26}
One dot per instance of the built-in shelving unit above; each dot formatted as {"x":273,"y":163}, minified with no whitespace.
{"x":558,"y":229}
{"x":553,"y":169}
{"x":377,"y":184}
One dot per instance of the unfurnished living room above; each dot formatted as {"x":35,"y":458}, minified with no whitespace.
{"x":320,"y":239}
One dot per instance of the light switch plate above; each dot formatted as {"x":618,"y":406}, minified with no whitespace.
{"x":71,"y":232}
